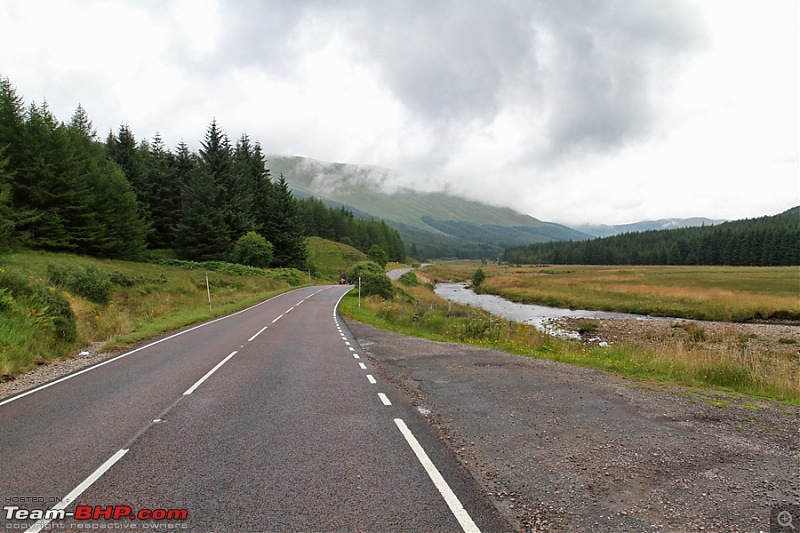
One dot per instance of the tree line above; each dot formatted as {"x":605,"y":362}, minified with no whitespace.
{"x":64,"y":189}
{"x":765,"y":241}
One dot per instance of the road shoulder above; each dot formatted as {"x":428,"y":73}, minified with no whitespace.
{"x":559,"y":447}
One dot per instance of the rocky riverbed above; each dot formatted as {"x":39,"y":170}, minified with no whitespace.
{"x":777,"y":339}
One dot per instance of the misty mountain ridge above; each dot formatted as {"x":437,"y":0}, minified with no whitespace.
{"x":605,"y":230}
{"x":439,"y":224}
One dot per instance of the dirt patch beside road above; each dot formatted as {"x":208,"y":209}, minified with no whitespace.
{"x":561,"y":448}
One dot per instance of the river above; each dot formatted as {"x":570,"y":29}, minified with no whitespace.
{"x":539,"y":316}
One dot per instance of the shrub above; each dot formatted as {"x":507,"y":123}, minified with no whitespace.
{"x":47,"y":307}
{"x":235,"y":269}
{"x":290,"y":275}
{"x":373,"y":279}
{"x":253,"y":249}
{"x":378,"y":255}
{"x":6,"y":301}
{"x":409,"y":279}
{"x":90,"y":282}
{"x":478,"y":277}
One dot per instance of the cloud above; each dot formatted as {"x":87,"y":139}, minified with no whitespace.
{"x":586,"y":75}
{"x":551,"y":102}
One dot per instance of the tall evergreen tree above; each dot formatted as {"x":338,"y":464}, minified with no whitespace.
{"x":6,"y":212}
{"x":201,"y":233}
{"x":216,"y":156}
{"x":263,"y":192}
{"x":248,"y":170}
{"x":285,"y":230}
{"x":124,"y":150}
{"x":116,"y":229}
{"x":47,"y":183}
{"x":12,"y":131}
{"x":12,"y":120}
{"x":164,"y":191}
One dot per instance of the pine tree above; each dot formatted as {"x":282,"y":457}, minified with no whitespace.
{"x":247,"y":173}
{"x":285,"y":229}
{"x":164,"y":191}
{"x":12,"y":131}
{"x":263,"y":194}
{"x":216,"y":156}
{"x":6,"y":213}
{"x":12,"y":120}
{"x":124,"y":150}
{"x":201,"y":233}
{"x":47,"y":183}
{"x":114,"y":229}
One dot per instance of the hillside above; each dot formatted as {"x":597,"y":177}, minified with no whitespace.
{"x":437,"y":223}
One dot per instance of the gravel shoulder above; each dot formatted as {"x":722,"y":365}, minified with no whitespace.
{"x":561,"y":448}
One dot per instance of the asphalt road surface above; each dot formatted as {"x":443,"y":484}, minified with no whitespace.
{"x":266,"y":420}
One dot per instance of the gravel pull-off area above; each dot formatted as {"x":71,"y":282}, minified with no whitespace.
{"x":561,"y":448}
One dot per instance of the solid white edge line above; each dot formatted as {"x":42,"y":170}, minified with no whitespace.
{"x":449,"y":496}
{"x":371,"y":379}
{"x":140,"y":348}
{"x":208,"y":374}
{"x":384,"y":399}
{"x":251,"y":339}
{"x":77,"y":491}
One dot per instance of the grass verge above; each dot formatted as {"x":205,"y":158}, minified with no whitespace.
{"x":51,"y":305}
{"x":417,"y":311}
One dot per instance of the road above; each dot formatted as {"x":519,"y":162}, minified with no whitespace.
{"x":270,"y":419}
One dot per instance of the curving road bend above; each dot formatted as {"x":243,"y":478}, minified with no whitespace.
{"x":270,"y":419}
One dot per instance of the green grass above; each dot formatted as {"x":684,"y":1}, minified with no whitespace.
{"x":685,"y":364}
{"x":328,"y":259}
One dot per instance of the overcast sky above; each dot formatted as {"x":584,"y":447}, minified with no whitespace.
{"x":601,"y":111}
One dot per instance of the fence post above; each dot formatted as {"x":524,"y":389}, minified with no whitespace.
{"x":208,"y":290}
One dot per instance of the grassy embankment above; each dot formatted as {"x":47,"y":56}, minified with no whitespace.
{"x":416,"y":310}
{"x":52,"y":305}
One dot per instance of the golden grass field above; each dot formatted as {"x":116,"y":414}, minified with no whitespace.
{"x":705,"y":293}
{"x":750,"y":358}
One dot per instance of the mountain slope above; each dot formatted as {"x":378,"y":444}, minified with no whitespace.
{"x":422,"y":218}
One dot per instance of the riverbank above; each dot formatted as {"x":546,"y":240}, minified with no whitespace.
{"x":779,"y":340}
